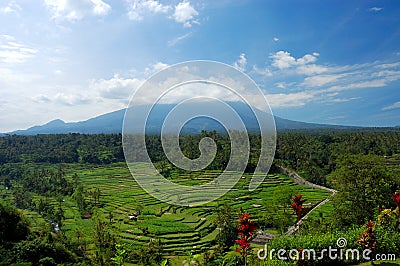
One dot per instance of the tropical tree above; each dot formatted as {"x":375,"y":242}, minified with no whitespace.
{"x":225,"y":222}
{"x":364,"y":184}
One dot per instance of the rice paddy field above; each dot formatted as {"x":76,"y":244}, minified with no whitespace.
{"x":180,"y":228}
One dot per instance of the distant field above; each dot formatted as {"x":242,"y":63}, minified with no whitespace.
{"x":179,"y":228}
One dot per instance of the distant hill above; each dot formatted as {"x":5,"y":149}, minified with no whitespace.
{"x":112,"y":122}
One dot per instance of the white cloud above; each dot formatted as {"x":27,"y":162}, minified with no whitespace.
{"x":11,"y":7}
{"x":392,"y":106}
{"x":185,"y":13}
{"x":100,"y":7}
{"x":14,"y":52}
{"x":281,"y":85}
{"x":320,"y":80}
{"x":155,"y":68}
{"x":69,"y":99}
{"x":283,"y":59}
{"x":72,"y":99}
{"x":340,"y":100}
{"x":160,"y":66}
{"x":77,"y":9}
{"x":41,"y":98}
{"x":389,"y":75}
{"x":311,"y":69}
{"x":116,"y":87}
{"x":388,"y":65}
{"x":357,"y":85}
{"x":241,"y":62}
{"x":138,"y":8}
{"x":284,"y":85}
{"x":308,"y":58}
{"x":263,"y":72}
{"x":305,"y":81}
{"x":375,"y":9}
{"x":275,"y":39}
{"x":290,"y":99}
{"x":179,"y":39}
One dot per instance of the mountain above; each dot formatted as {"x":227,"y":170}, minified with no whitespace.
{"x":107,"y":123}
{"x":112,"y":122}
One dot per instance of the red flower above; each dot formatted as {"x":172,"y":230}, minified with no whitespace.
{"x":396,"y":198}
{"x":297,"y":199}
{"x":297,"y":206}
{"x":243,"y":243}
{"x":370,"y":224}
{"x":246,"y":229}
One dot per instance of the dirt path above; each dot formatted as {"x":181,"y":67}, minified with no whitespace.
{"x":293,"y":175}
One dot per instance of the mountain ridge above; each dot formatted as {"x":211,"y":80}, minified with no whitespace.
{"x":113,"y":122}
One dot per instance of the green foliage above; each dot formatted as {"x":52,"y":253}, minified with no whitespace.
{"x":388,"y":241}
{"x":79,"y":197}
{"x":22,"y":198}
{"x":278,"y":213}
{"x":62,"y":148}
{"x":226,"y":224}
{"x":120,"y":254}
{"x":150,"y":253}
{"x":232,"y":259}
{"x":387,"y":231}
{"x":364,"y":185}
{"x":310,"y":241}
{"x":13,"y":226}
{"x":47,"y":261}
{"x":37,"y":249}
{"x":314,"y":154}
{"x":104,"y":241}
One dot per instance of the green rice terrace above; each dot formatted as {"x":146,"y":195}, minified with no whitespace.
{"x":180,"y":229}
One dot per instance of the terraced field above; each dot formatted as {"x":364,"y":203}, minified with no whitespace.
{"x":180,"y":229}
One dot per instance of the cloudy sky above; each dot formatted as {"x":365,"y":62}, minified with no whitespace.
{"x":332,"y":62}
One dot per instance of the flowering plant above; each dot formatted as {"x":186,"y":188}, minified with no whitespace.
{"x":297,"y":206}
{"x":368,"y":238}
{"x":246,"y":229}
{"x":396,"y":198}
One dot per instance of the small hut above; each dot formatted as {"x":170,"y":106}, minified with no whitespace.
{"x":86,"y":215}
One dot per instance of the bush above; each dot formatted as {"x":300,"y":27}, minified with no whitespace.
{"x":387,"y":240}
{"x":317,"y":243}
{"x":47,"y":261}
{"x":232,"y":259}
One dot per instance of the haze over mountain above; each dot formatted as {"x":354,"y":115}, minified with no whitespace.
{"x":113,"y":122}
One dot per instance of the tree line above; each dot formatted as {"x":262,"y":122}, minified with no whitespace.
{"x":312,"y":153}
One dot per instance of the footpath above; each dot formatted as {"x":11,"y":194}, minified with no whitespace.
{"x":295,"y":176}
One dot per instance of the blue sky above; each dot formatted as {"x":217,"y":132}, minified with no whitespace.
{"x":332,"y":62}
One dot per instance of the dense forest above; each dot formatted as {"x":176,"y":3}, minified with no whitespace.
{"x":364,"y":166}
{"x":313,"y":153}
